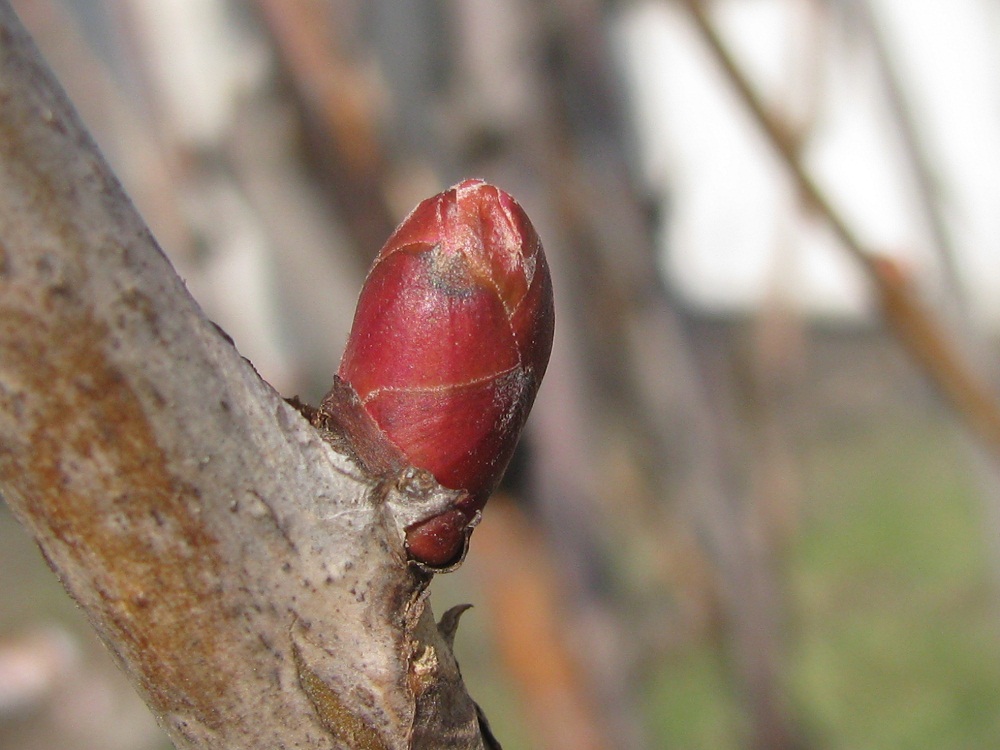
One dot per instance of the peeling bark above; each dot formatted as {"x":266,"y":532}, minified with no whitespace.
{"x":249,"y":578}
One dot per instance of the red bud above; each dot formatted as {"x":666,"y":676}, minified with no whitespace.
{"x":451,"y":338}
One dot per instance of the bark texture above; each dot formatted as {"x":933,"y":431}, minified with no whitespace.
{"x":248,"y":577}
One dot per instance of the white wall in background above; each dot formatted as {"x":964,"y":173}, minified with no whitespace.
{"x":735,"y":233}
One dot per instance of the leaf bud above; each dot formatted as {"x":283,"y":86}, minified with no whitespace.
{"x":450,"y":340}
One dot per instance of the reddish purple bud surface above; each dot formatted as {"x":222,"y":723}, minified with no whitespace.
{"x":451,"y":338}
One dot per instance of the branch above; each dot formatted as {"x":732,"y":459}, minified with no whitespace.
{"x":922,"y":335}
{"x":249,"y":579}
{"x":926,"y":181}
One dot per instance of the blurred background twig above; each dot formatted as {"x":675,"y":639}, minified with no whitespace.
{"x":911,"y":321}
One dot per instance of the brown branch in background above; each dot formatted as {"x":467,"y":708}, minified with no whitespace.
{"x":340,"y":111}
{"x":657,"y":380}
{"x":771,"y":368}
{"x":924,"y":176}
{"x":525,"y":596}
{"x":922,"y":335}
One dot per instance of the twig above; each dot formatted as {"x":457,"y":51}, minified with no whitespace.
{"x":924,"y":176}
{"x":523,"y":589}
{"x":339,"y":106}
{"x":921,"y":334}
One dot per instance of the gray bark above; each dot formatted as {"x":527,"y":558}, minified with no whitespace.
{"x":248,"y":577}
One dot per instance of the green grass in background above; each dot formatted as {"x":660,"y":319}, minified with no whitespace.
{"x":894,"y":608}
{"x":895,"y":602}
{"x":691,"y":705}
